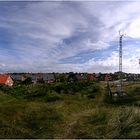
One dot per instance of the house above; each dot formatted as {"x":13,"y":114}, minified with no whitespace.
{"x":33,"y":77}
{"x":24,"y":77}
{"x":49,"y":77}
{"x":39,"y":78}
{"x":16,"y":77}
{"x":107,"y":77}
{"x":91,"y":77}
{"x":81,"y":77}
{"x":6,"y":80}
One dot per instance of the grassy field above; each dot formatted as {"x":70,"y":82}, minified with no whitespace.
{"x":68,"y":111}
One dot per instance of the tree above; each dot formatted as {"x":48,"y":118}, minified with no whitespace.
{"x":72,"y":77}
{"x":27,"y":81}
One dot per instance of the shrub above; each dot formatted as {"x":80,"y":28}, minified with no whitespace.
{"x":75,"y":87}
{"x":37,"y":91}
{"x":27,"y":81}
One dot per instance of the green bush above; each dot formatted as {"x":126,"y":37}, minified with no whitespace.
{"x":27,"y":81}
{"x":75,"y":87}
{"x":37,"y":91}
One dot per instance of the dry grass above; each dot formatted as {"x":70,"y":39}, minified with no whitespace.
{"x":70,"y":116}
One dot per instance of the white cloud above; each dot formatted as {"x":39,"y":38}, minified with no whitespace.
{"x":98,"y":45}
{"x":42,"y":33}
{"x":134,"y":29}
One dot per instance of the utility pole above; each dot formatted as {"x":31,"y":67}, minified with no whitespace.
{"x":120,"y":62}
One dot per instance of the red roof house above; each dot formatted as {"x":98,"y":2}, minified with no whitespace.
{"x":6,"y":80}
{"x":107,"y":77}
{"x":91,"y":77}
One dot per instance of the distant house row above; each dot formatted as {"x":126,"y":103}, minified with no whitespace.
{"x":10,"y":78}
{"x":6,"y":79}
{"x":46,"y":77}
{"x":50,"y":77}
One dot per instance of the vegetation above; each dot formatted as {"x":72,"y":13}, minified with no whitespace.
{"x":68,"y":110}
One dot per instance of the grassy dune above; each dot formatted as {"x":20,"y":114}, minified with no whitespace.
{"x":42,"y":112}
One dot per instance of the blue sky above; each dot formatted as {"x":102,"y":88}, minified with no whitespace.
{"x":64,"y":36}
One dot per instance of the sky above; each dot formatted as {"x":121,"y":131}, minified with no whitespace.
{"x":66,"y":36}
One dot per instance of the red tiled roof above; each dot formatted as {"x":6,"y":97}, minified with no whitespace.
{"x":3,"y":79}
{"x":91,"y":77}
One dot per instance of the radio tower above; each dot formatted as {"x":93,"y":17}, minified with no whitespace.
{"x":120,"y":63}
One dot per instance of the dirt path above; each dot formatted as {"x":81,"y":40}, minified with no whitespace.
{"x":72,"y":119}
{"x":71,"y":122}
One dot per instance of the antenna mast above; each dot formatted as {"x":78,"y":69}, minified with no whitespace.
{"x":120,"y":62}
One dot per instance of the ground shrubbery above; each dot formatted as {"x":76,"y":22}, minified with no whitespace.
{"x":66,"y":110}
{"x":32,"y":92}
{"x":73,"y":87}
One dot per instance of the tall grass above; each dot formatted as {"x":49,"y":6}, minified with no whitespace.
{"x":123,"y":123}
{"x":23,"y":119}
{"x":42,"y":112}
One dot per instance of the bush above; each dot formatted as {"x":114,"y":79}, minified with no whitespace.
{"x":37,"y":91}
{"x":27,"y":81}
{"x":16,"y":91}
{"x":75,"y":87}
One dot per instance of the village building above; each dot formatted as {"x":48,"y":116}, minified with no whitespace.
{"x":33,"y":78}
{"x":16,"y":77}
{"x":24,"y":77}
{"x":81,"y":77}
{"x":57,"y":77}
{"x":6,"y":80}
{"x":91,"y":77}
{"x":49,"y":77}
{"x":107,"y":77}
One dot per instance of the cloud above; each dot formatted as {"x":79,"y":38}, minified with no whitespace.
{"x":41,"y":36}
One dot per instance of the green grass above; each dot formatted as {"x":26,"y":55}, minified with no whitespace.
{"x":41,"y":112}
